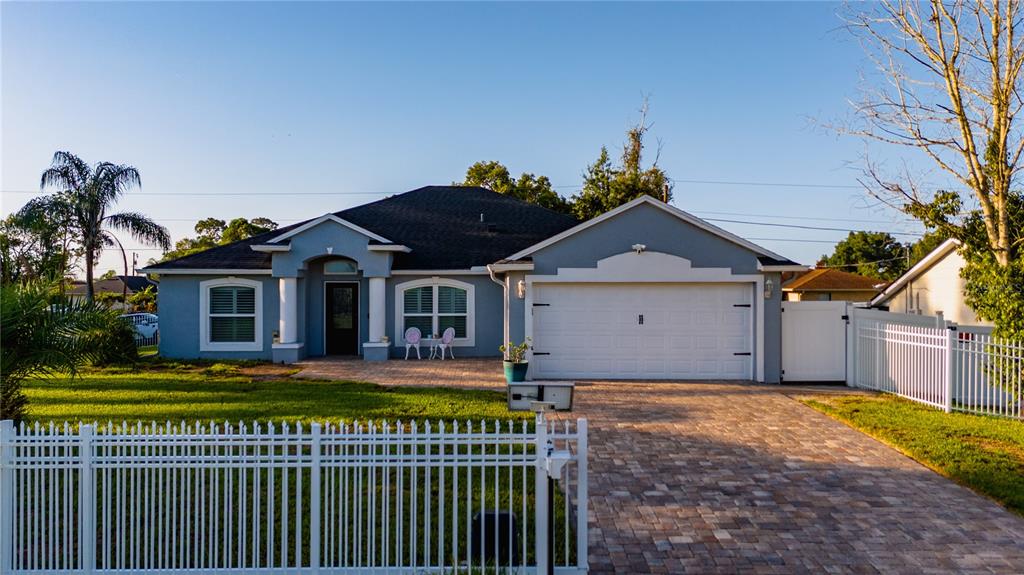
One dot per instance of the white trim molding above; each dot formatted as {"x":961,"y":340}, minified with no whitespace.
{"x":332,"y":218}
{"x":656,"y":267}
{"x":469,"y":272}
{"x":206,"y":271}
{"x":388,"y":248}
{"x":781,"y":268}
{"x":685,"y":216}
{"x":512,"y":267}
{"x":469,"y":340}
{"x":204,"y":315}
{"x":270,"y":248}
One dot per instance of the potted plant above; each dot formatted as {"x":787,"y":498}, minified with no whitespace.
{"x":515,"y":361}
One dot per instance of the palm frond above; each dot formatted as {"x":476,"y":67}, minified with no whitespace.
{"x":66,"y":172}
{"x":141,"y":227}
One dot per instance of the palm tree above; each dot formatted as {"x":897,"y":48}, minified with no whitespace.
{"x":88,"y":192}
{"x":43,"y":335}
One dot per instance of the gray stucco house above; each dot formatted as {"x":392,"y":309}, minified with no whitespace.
{"x":645,"y":291}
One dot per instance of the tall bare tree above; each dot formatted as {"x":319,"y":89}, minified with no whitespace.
{"x":950,"y":88}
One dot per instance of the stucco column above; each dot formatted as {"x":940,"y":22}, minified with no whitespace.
{"x":377,"y":307}
{"x":288,"y":324}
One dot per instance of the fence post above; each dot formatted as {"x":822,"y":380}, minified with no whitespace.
{"x":6,"y":496}
{"x":582,"y":541}
{"x":86,"y":501}
{"x":540,"y":503}
{"x":314,"y":503}
{"x":951,"y":337}
{"x":851,"y":346}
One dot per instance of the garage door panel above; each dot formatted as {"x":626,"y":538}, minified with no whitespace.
{"x":689,"y":331}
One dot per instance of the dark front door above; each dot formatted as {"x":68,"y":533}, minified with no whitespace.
{"x":342,"y":320}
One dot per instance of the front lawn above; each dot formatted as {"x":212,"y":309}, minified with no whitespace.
{"x":161,"y":391}
{"x":983,"y":453}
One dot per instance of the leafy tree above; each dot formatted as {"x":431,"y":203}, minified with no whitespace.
{"x":924,"y":246}
{"x":529,"y":188}
{"x":212,"y":232}
{"x":144,"y":300}
{"x":871,"y":254}
{"x":995,"y":291}
{"x":84,"y":195}
{"x":45,"y":334}
{"x":109,"y":275}
{"x":606,"y":187}
{"x":35,"y":246}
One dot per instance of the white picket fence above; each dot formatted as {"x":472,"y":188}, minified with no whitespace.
{"x":955,"y":369}
{"x":434,"y":498}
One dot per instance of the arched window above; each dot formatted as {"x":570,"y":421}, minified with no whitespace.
{"x":340,"y":267}
{"x":433,"y":305}
{"x":231,"y":317}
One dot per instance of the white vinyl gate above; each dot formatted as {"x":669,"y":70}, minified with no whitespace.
{"x":814,"y":340}
{"x":179,"y":498}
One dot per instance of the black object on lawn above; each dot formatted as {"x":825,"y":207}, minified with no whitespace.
{"x":486,"y":523}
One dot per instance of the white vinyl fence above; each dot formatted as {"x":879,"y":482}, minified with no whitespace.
{"x":955,"y":369}
{"x":434,"y":498}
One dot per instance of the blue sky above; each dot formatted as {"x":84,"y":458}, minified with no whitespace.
{"x":272,"y":102}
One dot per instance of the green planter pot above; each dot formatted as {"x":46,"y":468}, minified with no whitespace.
{"x":515,"y":372}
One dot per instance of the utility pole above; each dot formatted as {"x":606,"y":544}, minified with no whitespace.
{"x":664,"y":193}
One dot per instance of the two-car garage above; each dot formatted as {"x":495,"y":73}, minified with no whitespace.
{"x":642,"y":330}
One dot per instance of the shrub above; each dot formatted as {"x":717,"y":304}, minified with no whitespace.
{"x":112,"y":340}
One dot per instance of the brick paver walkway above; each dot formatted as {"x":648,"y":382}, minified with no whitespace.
{"x":727,"y":478}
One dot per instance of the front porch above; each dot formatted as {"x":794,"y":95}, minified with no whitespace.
{"x":466,"y":373}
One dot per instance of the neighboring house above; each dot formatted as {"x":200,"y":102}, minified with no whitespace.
{"x":931,"y":287}
{"x":645,"y":291}
{"x":114,"y":286}
{"x":827,"y":284}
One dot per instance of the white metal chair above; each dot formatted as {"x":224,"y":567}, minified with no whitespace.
{"x":412,"y":340}
{"x":446,"y":342}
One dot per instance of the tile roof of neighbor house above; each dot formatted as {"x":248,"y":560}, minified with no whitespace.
{"x":134,"y":283}
{"x":828,"y":279}
{"x":440,"y":224}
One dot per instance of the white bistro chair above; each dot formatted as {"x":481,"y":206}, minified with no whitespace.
{"x":412,"y":340}
{"x":446,"y":342}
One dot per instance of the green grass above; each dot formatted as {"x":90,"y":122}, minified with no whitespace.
{"x":161,"y":390}
{"x":985,"y":454}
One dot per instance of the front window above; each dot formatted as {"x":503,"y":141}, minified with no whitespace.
{"x":435,"y":305}
{"x":231,"y":315}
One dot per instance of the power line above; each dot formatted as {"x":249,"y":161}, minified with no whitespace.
{"x":224,"y":194}
{"x":812,"y":218}
{"x":802,"y":227}
{"x":862,"y":263}
{"x":768,"y":184}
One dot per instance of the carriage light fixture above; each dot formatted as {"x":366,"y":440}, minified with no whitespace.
{"x":769,"y":287}
{"x":521,"y":289}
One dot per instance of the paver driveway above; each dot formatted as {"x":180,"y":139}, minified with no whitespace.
{"x":732,"y":478}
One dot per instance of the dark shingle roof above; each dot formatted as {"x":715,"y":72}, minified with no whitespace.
{"x":440,"y":224}
{"x":134,"y":283}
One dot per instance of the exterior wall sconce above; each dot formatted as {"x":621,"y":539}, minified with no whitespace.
{"x":521,"y":289}
{"x":769,"y":288}
{"x":639,"y":248}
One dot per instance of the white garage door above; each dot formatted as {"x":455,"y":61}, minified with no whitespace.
{"x":642,"y":331}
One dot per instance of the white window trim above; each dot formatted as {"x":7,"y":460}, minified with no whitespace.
{"x":204,"y":315}
{"x":469,"y":340}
